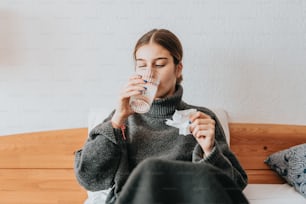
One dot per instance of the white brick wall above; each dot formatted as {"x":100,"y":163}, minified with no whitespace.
{"x":61,"y":58}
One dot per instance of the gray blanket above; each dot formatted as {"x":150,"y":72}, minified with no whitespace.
{"x":156,"y":181}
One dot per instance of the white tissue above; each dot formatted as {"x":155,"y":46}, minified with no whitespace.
{"x":180,"y":119}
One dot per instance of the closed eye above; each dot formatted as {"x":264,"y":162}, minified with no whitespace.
{"x":141,"y":66}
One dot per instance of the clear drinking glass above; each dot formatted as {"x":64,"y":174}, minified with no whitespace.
{"x":142,"y":103}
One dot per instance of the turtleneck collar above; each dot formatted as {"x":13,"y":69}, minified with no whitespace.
{"x":166,"y":106}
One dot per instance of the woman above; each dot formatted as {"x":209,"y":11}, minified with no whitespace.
{"x":144,"y":160}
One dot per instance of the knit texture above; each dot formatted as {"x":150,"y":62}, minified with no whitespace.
{"x":106,"y":160}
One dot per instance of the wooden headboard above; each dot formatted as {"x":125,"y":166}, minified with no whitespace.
{"x":37,"y":168}
{"x":252,"y":143}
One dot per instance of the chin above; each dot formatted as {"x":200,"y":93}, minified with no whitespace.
{"x":163,"y":95}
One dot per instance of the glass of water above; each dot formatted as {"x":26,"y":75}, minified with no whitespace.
{"x":142,"y":103}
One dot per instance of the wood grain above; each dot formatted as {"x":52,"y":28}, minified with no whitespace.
{"x":264,"y":176}
{"x":253,"y":143}
{"x":29,"y":186}
{"x":38,"y":179}
{"x":50,"y":149}
{"x":42,"y":197}
{"x":37,"y":168}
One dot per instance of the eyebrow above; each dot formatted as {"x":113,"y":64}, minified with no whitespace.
{"x":159,"y":58}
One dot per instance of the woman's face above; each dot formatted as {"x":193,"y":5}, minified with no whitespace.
{"x":156,"y":57}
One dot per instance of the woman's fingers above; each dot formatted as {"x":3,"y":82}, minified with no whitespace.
{"x":135,"y":86}
{"x":136,"y":80}
{"x":202,"y":124}
{"x":202,"y":128}
{"x":199,"y":114}
{"x":131,"y":91}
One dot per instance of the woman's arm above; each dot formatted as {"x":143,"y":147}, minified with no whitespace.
{"x":97,"y":162}
{"x":226,"y":161}
{"x":222,"y":157}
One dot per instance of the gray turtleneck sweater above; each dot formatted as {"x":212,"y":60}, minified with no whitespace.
{"x":106,"y":160}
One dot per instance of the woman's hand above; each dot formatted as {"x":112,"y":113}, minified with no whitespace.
{"x":135,"y":86}
{"x":202,"y":128}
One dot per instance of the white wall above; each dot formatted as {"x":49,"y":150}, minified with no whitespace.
{"x":61,"y":58}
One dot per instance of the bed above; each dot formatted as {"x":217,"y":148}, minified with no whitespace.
{"x":37,"y":168}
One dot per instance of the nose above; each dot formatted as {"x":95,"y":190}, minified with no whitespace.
{"x":150,"y":67}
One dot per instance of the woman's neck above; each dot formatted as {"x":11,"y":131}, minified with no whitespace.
{"x":166,"y":106}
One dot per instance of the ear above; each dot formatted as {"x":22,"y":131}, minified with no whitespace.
{"x":179,"y":69}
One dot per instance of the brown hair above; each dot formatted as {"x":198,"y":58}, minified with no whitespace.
{"x":166,"y":39}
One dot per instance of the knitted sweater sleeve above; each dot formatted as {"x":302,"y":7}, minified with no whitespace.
{"x":97,"y":162}
{"x":222,"y":157}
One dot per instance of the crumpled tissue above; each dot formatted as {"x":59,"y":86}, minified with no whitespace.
{"x":180,"y":119}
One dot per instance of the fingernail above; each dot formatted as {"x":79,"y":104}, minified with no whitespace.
{"x":189,"y":122}
{"x":145,"y":81}
{"x":145,"y":88}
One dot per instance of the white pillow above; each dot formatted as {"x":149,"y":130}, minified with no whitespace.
{"x":96,"y":116}
{"x":97,"y":197}
{"x":223,"y":118}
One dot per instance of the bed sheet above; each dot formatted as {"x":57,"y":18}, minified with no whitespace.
{"x":273,"y":194}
